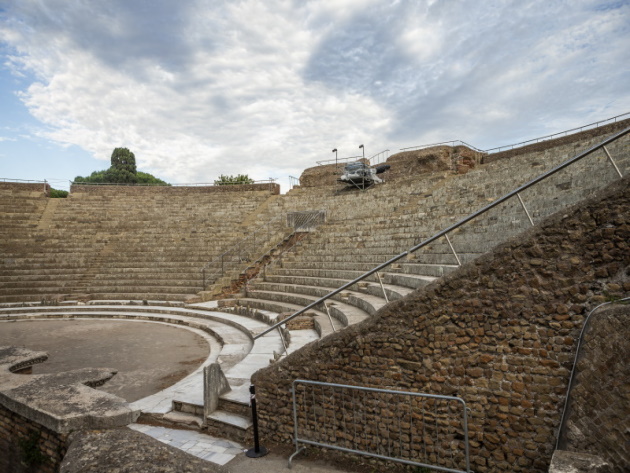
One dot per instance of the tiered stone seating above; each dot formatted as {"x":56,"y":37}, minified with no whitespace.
{"x":21,"y":206}
{"x":113,"y":245}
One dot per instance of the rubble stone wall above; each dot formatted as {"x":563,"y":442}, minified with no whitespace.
{"x":28,"y":447}
{"x":500,"y":333}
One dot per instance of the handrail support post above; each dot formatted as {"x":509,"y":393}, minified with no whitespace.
{"x":448,"y":240}
{"x":612,"y":161}
{"x":380,"y":281}
{"x":525,"y":208}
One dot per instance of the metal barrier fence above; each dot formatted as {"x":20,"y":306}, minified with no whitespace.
{"x":306,"y":221}
{"x":425,"y":430}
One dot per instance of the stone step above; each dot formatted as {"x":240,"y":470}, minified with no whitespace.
{"x":229,"y":425}
{"x":323,"y":325}
{"x":361,"y":295}
{"x":346,"y":313}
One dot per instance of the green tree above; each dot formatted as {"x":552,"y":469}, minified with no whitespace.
{"x":57,"y":194}
{"x":230,"y":180}
{"x":122,"y":171}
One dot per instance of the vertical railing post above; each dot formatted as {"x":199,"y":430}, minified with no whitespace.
{"x":257,"y":451}
{"x":448,"y":240}
{"x":382,"y":287}
{"x":525,"y":209}
{"x":612,"y":161}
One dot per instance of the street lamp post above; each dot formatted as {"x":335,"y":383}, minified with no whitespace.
{"x":335,"y":151}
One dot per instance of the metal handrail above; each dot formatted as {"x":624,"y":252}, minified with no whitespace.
{"x":547,"y":137}
{"x":451,"y":228}
{"x":293,"y":181}
{"x":196,"y":184}
{"x":7,"y":179}
{"x":377,"y":158}
{"x":452,"y":143}
{"x":349,"y":158}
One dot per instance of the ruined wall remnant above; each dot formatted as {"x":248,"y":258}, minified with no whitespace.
{"x":500,"y":333}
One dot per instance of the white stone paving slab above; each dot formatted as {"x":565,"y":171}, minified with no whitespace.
{"x":206,"y":447}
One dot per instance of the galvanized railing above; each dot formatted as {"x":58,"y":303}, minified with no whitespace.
{"x":293,"y":181}
{"x":271,"y":182}
{"x":444,"y":233}
{"x":7,"y":179}
{"x":379,"y":157}
{"x":452,"y":143}
{"x":306,"y":220}
{"x":559,"y":134}
{"x":424,"y":430}
{"x":340,"y":160}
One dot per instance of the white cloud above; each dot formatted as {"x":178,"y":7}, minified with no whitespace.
{"x":199,"y":89}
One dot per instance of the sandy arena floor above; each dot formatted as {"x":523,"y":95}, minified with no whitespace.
{"x":148,"y":356}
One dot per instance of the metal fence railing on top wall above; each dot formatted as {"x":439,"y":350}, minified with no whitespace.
{"x":157,"y":184}
{"x":378,"y":158}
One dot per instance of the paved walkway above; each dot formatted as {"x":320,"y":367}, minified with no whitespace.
{"x":206,"y":447}
{"x":229,"y":456}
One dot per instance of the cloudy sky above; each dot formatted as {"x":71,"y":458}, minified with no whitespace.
{"x":198,"y":88}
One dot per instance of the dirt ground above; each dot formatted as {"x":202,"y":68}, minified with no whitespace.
{"x":148,"y":356}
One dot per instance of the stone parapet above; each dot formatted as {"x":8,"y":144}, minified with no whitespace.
{"x":42,"y":187}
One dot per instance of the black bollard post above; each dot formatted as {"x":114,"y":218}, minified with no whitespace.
{"x":257,"y":451}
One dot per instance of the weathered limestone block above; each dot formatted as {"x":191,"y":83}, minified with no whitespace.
{"x":576,"y":462}
{"x":60,"y":402}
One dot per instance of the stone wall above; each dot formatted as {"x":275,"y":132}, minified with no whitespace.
{"x":598,"y":417}
{"x":273,"y":189}
{"x":402,"y":165}
{"x":26,"y":446}
{"x":500,"y":333}
{"x":25,"y":187}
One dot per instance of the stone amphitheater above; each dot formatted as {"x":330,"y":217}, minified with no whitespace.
{"x":490,"y":313}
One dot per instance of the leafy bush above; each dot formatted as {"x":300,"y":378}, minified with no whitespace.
{"x":57,"y":194}
{"x":231,"y":180}
{"x":122,"y":171}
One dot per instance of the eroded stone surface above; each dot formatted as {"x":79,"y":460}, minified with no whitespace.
{"x":61,"y":402}
{"x":574,"y":462}
{"x":126,"y":450}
